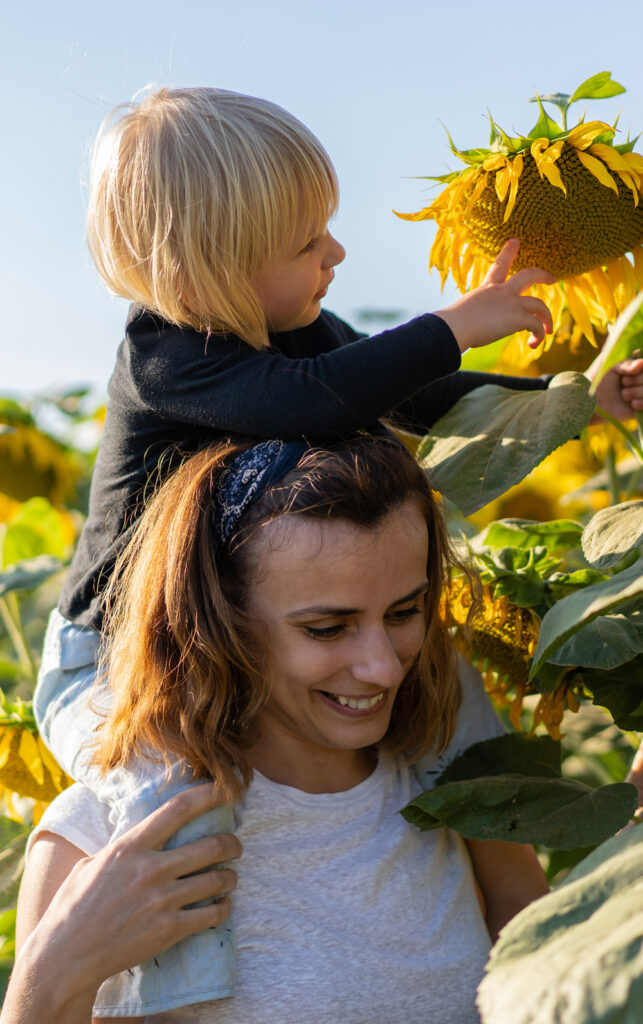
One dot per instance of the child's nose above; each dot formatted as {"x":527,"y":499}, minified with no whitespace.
{"x":335,"y":254}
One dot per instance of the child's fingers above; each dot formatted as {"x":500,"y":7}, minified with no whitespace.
{"x":536,"y":307}
{"x":502,"y":264}
{"x":524,"y":279}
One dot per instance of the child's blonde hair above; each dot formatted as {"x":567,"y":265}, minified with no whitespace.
{"x":192,"y":190}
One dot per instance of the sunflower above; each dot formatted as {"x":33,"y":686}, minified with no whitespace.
{"x":572,"y":197}
{"x":500,"y":642}
{"x":27,"y":768}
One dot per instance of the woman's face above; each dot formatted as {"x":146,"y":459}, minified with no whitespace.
{"x":343,"y":610}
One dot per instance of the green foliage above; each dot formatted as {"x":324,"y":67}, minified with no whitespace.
{"x":571,"y":613}
{"x":613,"y":533}
{"x":577,"y":954}
{"x":494,"y":437}
{"x":511,"y":789}
{"x":623,"y":339}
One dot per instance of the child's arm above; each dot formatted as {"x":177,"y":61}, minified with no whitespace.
{"x":510,"y":877}
{"x":332,"y":387}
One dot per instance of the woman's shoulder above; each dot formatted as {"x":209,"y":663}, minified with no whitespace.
{"x":476,"y":720}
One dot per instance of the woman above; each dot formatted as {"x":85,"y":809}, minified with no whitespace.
{"x":277,"y":627}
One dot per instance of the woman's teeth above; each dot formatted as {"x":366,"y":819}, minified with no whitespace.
{"x":357,"y":704}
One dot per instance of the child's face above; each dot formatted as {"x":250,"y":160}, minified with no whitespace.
{"x":291,"y":286}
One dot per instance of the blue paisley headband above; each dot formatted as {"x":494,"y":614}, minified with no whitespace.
{"x":248,"y":477}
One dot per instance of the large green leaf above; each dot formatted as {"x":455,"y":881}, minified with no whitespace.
{"x":30,"y":574}
{"x":510,"y":788}
{"x":576,"y":955}
{"x":612,"y":533}
{"x":558,"y":813}
{"x":606,"y":642}
{"x":620,"y":691}
{"x":494,"y":437}
{"x":623,"y":339}
{"x":573,"y":612}
{"x":536,"y":756}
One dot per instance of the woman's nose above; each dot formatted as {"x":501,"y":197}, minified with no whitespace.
{"x":377,"y":661}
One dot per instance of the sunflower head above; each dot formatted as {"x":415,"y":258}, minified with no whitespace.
{"x":572,"y":197}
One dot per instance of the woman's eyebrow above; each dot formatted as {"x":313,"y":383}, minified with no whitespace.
{"x":326,"y":609}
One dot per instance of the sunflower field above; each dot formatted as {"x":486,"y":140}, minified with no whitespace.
{"x":544,"y":504}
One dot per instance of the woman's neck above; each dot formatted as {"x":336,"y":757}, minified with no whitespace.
{"x":313,"y":770}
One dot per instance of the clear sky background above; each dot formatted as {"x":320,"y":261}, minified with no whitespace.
{"x":372,"y":79}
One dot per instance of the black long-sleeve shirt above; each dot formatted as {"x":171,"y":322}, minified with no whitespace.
{"x":177,"y":389}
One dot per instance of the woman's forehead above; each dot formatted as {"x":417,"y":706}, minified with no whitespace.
{"x":301,"y":550}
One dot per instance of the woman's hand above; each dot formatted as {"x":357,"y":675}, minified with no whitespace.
{"x":119,"y":908}
{"x":498,"y":307}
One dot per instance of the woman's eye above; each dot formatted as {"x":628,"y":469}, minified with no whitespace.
{"x":404,"y":614}
{"x":323,"y":632}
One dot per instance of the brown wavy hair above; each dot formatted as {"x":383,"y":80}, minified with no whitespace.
{"x":187,"y":665}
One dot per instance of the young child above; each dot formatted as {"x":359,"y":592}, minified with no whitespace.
{"x":210,"y":210}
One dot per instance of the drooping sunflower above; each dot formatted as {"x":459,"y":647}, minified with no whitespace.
{"x":572,"y":197}
{"x":500,"y":642}
{"x":27,"y":768}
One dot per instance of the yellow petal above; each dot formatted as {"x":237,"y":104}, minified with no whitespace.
{"x":578,"y":311}
{"x":584,"y":134}
{"x":598,"y":169}
{"x":537,"y":149}
{"x":610,"y":156}
{"x":503,"y":178}
{"x":5,"y":744}
{"x":552,"y":174}
{"x":515,"y":169}
{"x":479,"y":188}
{"x":29,"y":754}
{"x":495,"y":162}
{"x":50,"y":763}
{"x":634,"y":162}
{"x":600,"y":283}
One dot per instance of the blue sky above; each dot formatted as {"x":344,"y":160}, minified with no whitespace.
{"x":372,"y":79}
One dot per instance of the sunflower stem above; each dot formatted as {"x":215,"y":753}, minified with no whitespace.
{"x":612,"y":476}
{"x":639,"y":433}
{"x":13,"y":626}
{"x":635,"y":441}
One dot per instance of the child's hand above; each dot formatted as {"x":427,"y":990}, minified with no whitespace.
{"x":498,"y":308}
{"x":620,"y":393}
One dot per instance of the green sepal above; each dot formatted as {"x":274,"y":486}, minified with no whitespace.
{"x":545,"y":127}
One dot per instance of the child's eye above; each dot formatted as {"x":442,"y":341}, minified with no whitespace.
{"x":323,"y":632}
{"x":309,"y":246}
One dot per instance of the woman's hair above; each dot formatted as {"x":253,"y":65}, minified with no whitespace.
{"x":191,"y":191}
{"x":187,"y":665}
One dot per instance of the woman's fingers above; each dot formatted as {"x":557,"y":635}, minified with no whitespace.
{"x":207,"y":885}
{"x":154,"y":832}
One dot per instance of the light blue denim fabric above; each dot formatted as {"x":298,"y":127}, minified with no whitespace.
{"x":201,"y":967}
